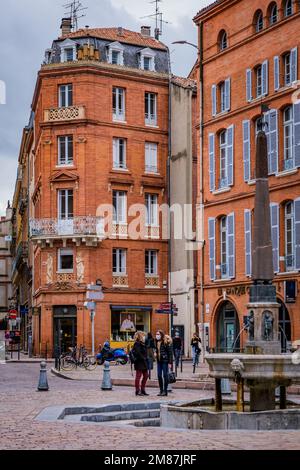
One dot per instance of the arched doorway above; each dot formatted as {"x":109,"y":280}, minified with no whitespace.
{"x":285,"y":327}
{"x":228,"y":328}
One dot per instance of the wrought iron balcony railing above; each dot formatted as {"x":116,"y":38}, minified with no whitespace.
{"x":78,"y":226}
{"x":64,"y":114}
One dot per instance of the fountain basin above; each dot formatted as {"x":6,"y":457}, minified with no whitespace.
{"x":198,"y":416}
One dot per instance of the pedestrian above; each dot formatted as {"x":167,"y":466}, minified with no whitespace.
{"x":139,"y":352}
{"x":196,"y":349}
{"x":177,"y":348}
{"x":150,"y":346}
{"x":164,"y":357}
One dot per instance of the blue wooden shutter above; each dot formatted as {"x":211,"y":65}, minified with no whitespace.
{"x":227,"y":94}
{"x":230,"y":154}
{"x":248,"y":243}
{"x":249,"y":84}
{"x":297,"y":233}
{"x":246,"y":150}
{"x":212,"y":247}
{"x":274,"y":208}
{"x":212,"y":173}
{"x":214,"y":99}
{"x":276,"y":74}
{"x":265,"y":77}
{"x":294,"y":64}
{"x":296,"y":114}
{"x":271,"y":118}
{"x":231,"y":245}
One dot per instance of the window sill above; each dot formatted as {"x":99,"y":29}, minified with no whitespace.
{"x":287,"y":273}
{"x":120,"y":170}
{"x":120,"y":121}
{"x":221,"y":191}
{"x":153,"y":126}
{"x":65,"y":166}
{"x":228,"y":279}
{"x":222,"y":113}
{"x":281,"y":174}
{"x":251,"y":182}
{"x":65,"y":271}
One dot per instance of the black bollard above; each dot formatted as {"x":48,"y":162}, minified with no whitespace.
{"x":43,"y":381}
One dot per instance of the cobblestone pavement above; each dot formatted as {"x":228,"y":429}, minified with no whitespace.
{"x":20,"y":404}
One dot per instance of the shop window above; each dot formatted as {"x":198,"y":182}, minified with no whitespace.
{"x":125,"y":323}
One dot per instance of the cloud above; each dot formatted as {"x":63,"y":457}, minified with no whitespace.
{"x":28,"y":27}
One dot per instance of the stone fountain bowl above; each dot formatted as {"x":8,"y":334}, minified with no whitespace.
{"x":276,"y":368}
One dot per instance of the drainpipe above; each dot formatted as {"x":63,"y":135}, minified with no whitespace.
{"x":201,"y":202}
{"x":169,"y":192}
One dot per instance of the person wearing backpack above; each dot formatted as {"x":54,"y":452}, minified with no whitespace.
{"x":138,"y":357}
{"x":164,"y":357}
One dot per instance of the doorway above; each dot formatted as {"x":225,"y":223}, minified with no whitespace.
{"x":65,"y":329}
{"x":228,"y":327}
{"x":285,"y":328}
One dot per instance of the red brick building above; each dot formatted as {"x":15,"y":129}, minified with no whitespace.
{"x":101,"y":109}
{"x":249,"y":58}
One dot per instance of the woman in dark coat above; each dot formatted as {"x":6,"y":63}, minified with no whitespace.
{"x":140,"y":364}
{"x":164,"y":357}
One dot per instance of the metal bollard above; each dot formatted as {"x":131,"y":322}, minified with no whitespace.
{"x":106,"y":382}
{"x":43,"y":381}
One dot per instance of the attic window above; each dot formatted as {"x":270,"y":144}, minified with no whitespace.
{"x":116,"y":54}
{"x":68,"y":51}
{"x":147,"y":60}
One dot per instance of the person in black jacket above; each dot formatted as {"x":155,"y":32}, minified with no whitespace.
{"x":164,"y":356}
{"x":140,"y":364}
{"x":150,"y":347}
{"x":177,"y":348}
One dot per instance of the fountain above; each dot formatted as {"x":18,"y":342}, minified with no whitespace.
{"x":261,"y":368}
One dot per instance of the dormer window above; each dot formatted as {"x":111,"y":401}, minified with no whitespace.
{"x":68,"y":51}
{"x":116,"y":54}
{"x":147,"y":60}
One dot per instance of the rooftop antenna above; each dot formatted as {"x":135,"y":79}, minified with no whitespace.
{"x":158,"y":18}
{"x":75,"y":9}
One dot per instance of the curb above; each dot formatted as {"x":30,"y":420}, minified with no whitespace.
{"x":28,"y":361}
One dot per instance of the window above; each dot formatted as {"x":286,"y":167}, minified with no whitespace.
{"x":288,"y":8}
{"x":222,"y":97}
{"x":258,"y":125}
{"x":273,"y":14}
{"x":223,"y":246}
{"x":289,"y":236}
{"x":65,"y":204}
{"x":151,"y":267}
{"x":115,"y":54}
{"x":223,"y":160}
{"x":258,"y":72}
{"x":119,"y":205}
{"x":151,"y":203}
{"x":115,"y":57}
{"x":147,"y":59}
{"x":287,"y":69}
{"x":65,"y":150}
{"x":65,"y":260}
{"x":151,"y":109}
{"x":118,"y":104}
{"x":288,"y":138}
{"x":119,"y":262}
{"x":148,"y":63}
{"x":223,"y":40}
{"x":68,"y":49}
{"x":65,"y":96}
{"x":259,"y":23}
{"x":119,"y":153}
{"x":151,"y":157}
{"x":69,"y":55}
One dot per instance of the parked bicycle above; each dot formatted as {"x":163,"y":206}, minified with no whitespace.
{"x":77,"y":358}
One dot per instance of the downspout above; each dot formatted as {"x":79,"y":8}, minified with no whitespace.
{"x":201,"y":182}
{"x":169,"y":190}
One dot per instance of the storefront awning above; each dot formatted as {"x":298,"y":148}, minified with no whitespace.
{"x":121,"y":308}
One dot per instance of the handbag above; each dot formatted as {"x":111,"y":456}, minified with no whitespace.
{"x":172,"y":378}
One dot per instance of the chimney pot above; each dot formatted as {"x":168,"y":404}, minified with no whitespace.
{"x":146,"y":31}
{"x":120,"y":31}
{"x":66,"y":26}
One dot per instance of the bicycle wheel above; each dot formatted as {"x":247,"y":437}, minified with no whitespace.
{"x":90,"y":363}
{"x":68,"y":363}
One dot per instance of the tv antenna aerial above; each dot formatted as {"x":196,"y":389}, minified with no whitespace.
{"x":158,"y":18}
{"x":75,"y":11}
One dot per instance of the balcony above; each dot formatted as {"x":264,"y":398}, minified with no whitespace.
{"x":120,"y":280}
{"x":20,"y":256}
{"x":152,"y":232}
{"x":64,"y":114}
{"x":23,"y":201}
{"x":151,"y":120}
{"x":119,"y":230}
{"x":152,"y":281}
{"x":88,"y":230}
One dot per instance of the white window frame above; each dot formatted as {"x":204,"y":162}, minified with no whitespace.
{"x":119,"y":113}
{"x":67,"y":161}
{"x":222,"y":97}
{"x":119,"y":142}
{"x":65,"y":252}
{"x":288,"y":125}
{"x":223,"y":159}
{"x":259,"y":81}
{"x":223,"y":41}
{"x":121,"y":262}
{"x":259,"y":23}
{"x":223,"y":254}
{"x":152,"y":256}
{"x":290,"y":217}
{"x":64,"y":47}
{"x":151,"y":157}
{"x":273,"y":15}
{"x":150,"y":119}
{"x":288,"y":69}
{"x":66,"y":89}
{"x":151,"y":202}
{"x":116,"y":47}
{"x":121,"y":207}
{"x":149,"y":54}
{"x":67,"y":192}
{"x":288,"y":6}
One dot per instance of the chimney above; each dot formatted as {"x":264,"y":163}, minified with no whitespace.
{"x":120,"y":31}
{"x":66,"y":26}
{"x":146,"y":31}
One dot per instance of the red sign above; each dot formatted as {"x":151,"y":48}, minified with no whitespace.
{"x":13,"y":314}
{"x":167,"y":306}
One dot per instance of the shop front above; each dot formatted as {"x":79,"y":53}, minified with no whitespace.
{"x":64,"y":328}
{"x":126,"y":321}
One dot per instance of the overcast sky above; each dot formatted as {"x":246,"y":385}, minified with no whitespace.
{"x":27,"y":28}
